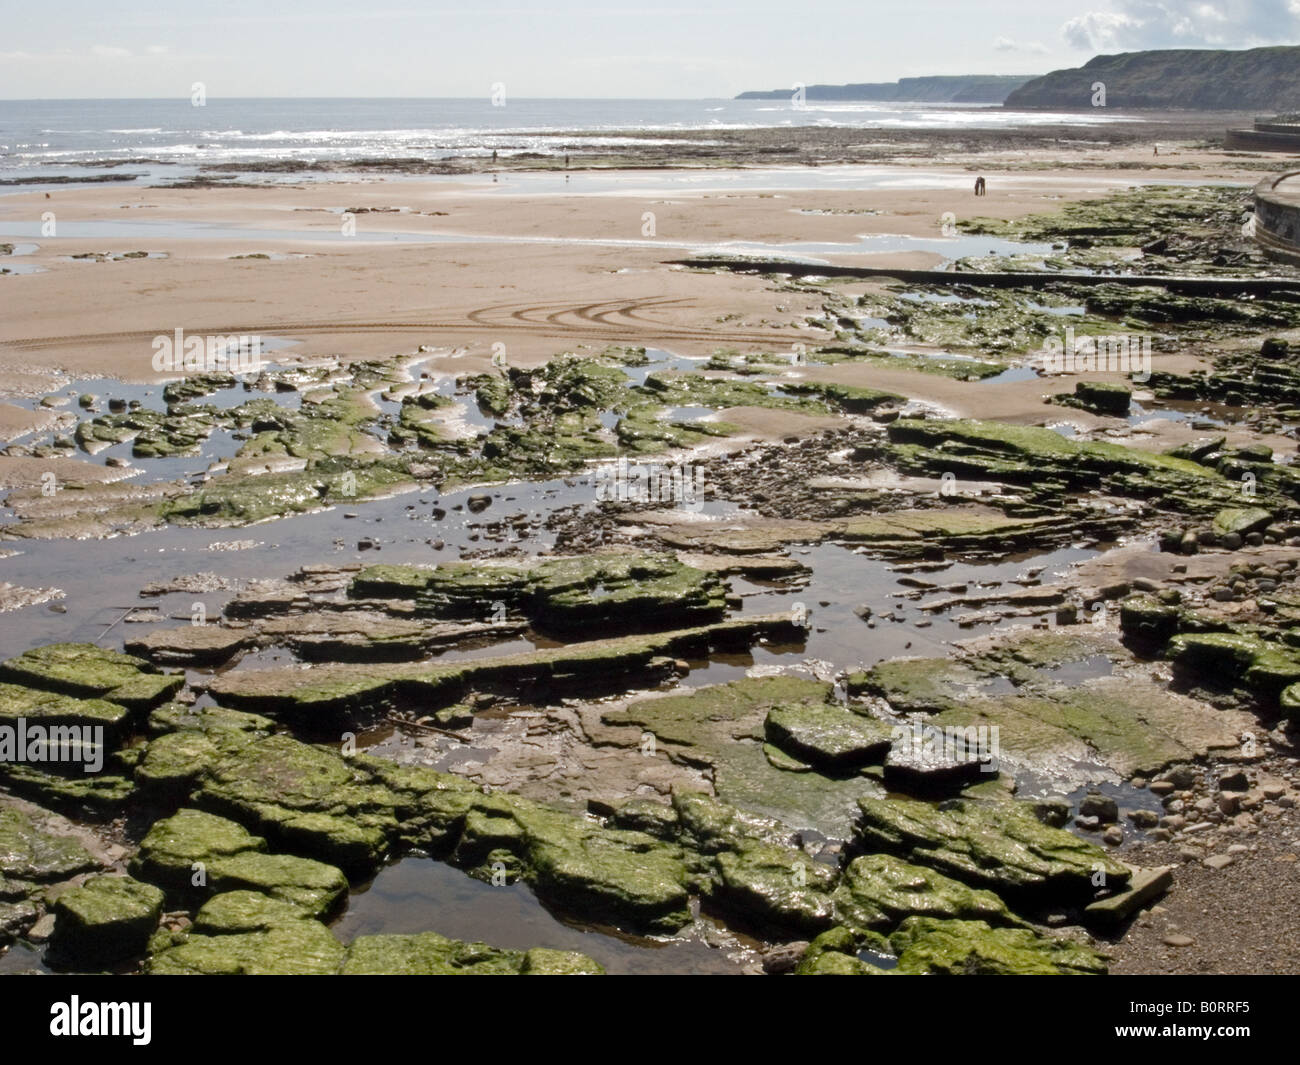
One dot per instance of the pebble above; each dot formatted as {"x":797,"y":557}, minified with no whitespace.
{"x":1219,"y":861}
{"x":1102,"y":807}
{"x":1178,"y":939}
{"x":1233,"y":780}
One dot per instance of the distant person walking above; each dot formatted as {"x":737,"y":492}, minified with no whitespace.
{"x":979,"y":186}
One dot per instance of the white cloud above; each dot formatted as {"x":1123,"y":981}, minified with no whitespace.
{"x":109,"y":51}
{"x":1138,"y":24}
{"x":1009,"y":44}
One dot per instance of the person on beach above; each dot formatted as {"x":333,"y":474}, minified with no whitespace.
{"x":979,"y":186}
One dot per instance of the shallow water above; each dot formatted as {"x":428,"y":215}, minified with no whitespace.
{"x":144,"y":230}
{"x":417,"y":894}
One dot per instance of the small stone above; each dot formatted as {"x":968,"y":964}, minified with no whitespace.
{"x":1102,"y":807}
{"x":1219,"y":861}
{"x":1234,"y":780}
{"x":783,"y":958}
{"x":1178,"y":939}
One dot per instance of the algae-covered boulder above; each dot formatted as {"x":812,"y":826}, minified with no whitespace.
{"x":106,"y":919}
{"x":997,"y":845}
{"x":53,"y":708}
{"x":1147,"y":622}
{"x":835,"y":953}
{"x":246,"y":933}
{"x":190,"y":743}
{"x":28,"y":853}
{"x":429,"y":954}
{"x":1241,"y":520}
{"x":308,"y":799}
{"x":877,"y":891}
{"x":826,"y":734}
{"x":1100,"y":397}
{"x":194,"y":852}
{"x":543,"y":961}
{"x":777,"y":885}
{"x":610,"y":593}
{"x":751,"y":867}
{"x":1289,"y":702}
{"x":1228,"y":659}
{"x":973,"y":948}
{"x":608,"y":873}
{"x":87,"y":671}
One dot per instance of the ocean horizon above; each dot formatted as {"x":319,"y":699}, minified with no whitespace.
{"x":68,"y":139}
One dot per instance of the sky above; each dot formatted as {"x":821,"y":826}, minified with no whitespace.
{"x":77,"y":49}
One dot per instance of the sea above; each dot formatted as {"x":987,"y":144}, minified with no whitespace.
{"x":164,"y":140}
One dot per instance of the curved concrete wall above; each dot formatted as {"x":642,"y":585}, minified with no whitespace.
{"x":1277,"y":216}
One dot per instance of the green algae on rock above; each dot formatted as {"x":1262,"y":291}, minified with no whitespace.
{"x":242,"y":932}
{"x":106,"y":919}
{"x":1002,"y":846}
{"x":723,"y":727}
{"x":1127,"y":725}
{"x":593,"y":665}
{"x":826,"y":735}
{"x":86,"y":671}
{"x":878,"y":891}
{"x":1098,"y":397}
{"x":612,"y":592}
{"x":29,"y":854}
{"x":429,"y":954}
{"x":195,"y":853}
{"x":246,"y":933}
{"x":960,"y":948}
{"x":353,"y":812}
{"x":835,"y":953}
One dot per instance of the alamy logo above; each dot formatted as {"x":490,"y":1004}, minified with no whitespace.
{"x":930,"y":743}
{"x":681,"y":484}
{"x":79,"y":1018}
{"x":179,"y":353}
{"x":1121,"y":353}
{"x":71,"y":744}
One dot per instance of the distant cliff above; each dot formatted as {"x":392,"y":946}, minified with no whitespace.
{"x":952,"y":89}
{"x":1258,"y":79}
